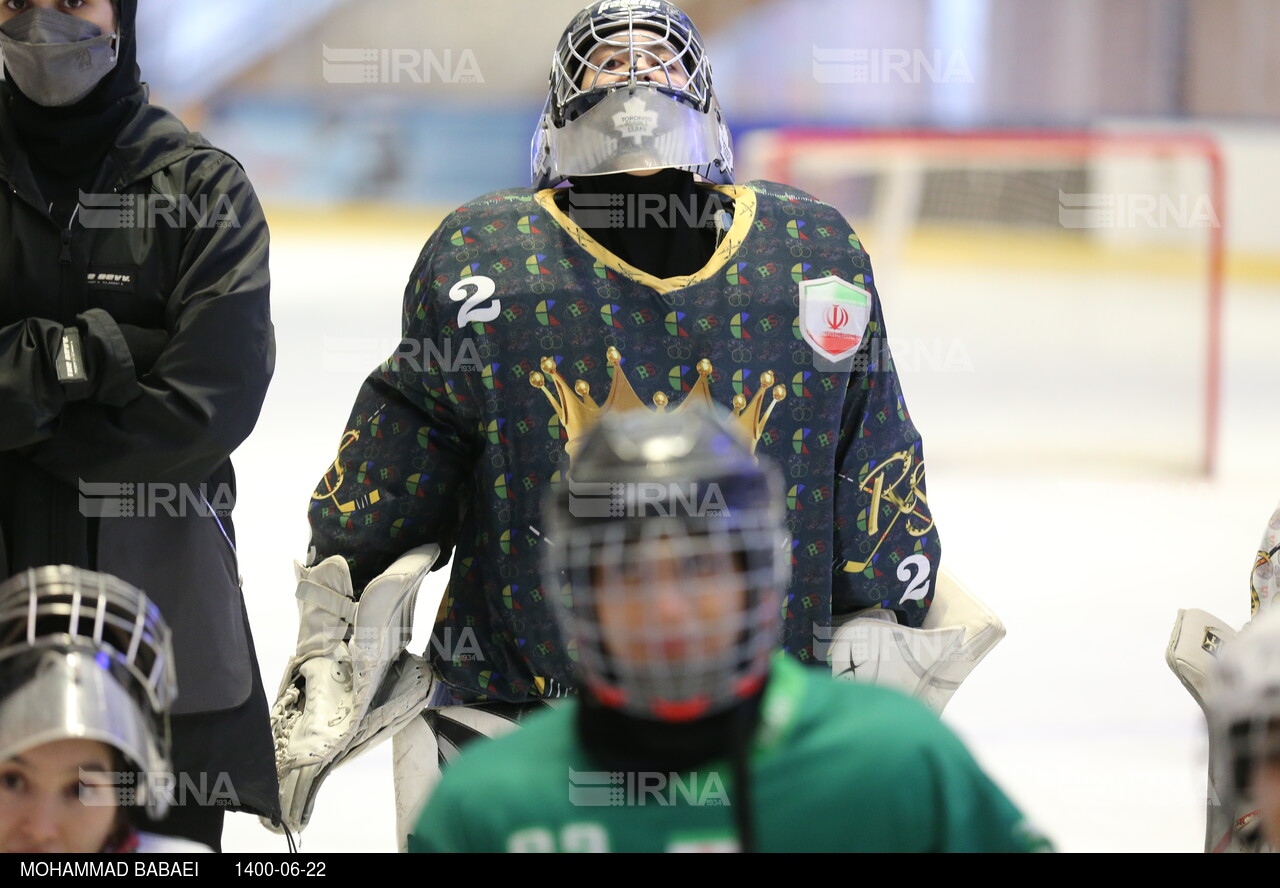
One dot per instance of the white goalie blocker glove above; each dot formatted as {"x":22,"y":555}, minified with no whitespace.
{"x":1196,"y":642}
{"x":351,"y":683}
{"x":928,"y":663}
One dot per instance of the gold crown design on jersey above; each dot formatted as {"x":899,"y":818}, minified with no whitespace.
{"x":579,"y":412}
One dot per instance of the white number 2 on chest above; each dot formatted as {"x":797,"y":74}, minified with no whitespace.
{"x":476,"y":290}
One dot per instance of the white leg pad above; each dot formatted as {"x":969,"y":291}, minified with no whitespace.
{"x":416,"y":770}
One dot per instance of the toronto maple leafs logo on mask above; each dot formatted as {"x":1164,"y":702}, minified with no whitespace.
{"x":635,"y":120}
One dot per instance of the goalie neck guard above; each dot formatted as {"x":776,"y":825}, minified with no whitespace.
{"x":630,"y":91}
{"x":84,"y":655}
{"x":672,"y":539}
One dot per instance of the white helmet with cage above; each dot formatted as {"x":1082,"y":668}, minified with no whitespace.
{"x":84,"y":655}
{"x":671,"y":556}
{"x":631,"y":91}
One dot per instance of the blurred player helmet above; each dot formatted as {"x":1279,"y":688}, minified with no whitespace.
{"x":1243,"y":706}
{"x":669,"y":560}
{"x":630,"y":91}
{"x":84,"y":655}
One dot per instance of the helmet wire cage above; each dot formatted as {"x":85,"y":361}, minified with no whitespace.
{"x":630,"y":90}
{"x":669,"y":563}
{"x":657,"y":42}
{"x":671,"y":621}
{"x":85,"y":655}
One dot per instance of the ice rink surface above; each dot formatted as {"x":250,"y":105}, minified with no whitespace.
{"x":1055,"y":408}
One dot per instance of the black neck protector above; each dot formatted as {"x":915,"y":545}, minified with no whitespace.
{"x":621,"y":742}
{"x":666,"y":226}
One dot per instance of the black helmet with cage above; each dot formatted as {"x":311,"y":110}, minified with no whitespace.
{"x":670,"y":556}
{"x":85,"y":655}
{"x":630,"y":91}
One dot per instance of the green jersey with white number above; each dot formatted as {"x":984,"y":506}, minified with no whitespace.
{"x":835,"y":766}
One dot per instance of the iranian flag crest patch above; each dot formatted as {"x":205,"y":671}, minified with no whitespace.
{"x":833,"y":316}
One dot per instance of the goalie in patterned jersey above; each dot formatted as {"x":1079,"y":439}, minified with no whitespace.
{"x":691,"y":733}
{"x":650,"y":281}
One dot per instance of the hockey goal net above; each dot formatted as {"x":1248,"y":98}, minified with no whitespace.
{"x":1052,"y":299}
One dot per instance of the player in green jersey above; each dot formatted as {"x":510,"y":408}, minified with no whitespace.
{"x":692,"y":732}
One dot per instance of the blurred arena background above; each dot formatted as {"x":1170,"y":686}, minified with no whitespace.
{"x":1071,"y":209}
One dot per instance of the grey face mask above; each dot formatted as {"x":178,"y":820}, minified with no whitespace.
{"x":54,"y":58}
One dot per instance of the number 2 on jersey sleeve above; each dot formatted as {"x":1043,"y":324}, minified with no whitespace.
{"x":918,"y":587}
{"x":482,"y":289}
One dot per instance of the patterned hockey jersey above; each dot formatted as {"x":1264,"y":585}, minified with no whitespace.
{"x":1264,"y":581}
{"x":513,"y":310}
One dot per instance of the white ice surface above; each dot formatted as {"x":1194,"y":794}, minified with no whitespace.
{"x":1075,"y":713}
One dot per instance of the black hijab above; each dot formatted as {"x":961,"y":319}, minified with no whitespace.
{"x":67,"y":145}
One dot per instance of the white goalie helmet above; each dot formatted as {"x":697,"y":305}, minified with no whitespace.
{"x":1243,"y":706}
{"x":84,"y":655}
{"x":670,"y":557}
{"x":631,"y":91}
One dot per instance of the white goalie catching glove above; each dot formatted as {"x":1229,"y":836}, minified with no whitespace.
{"x":928,"y":663}
{"x":351,"y":683}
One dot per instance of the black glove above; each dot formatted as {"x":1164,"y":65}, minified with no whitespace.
{"x":95,"y":359}
{"x":145,"y":346}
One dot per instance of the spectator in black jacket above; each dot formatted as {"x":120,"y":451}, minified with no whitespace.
{"x":135,"y":351}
